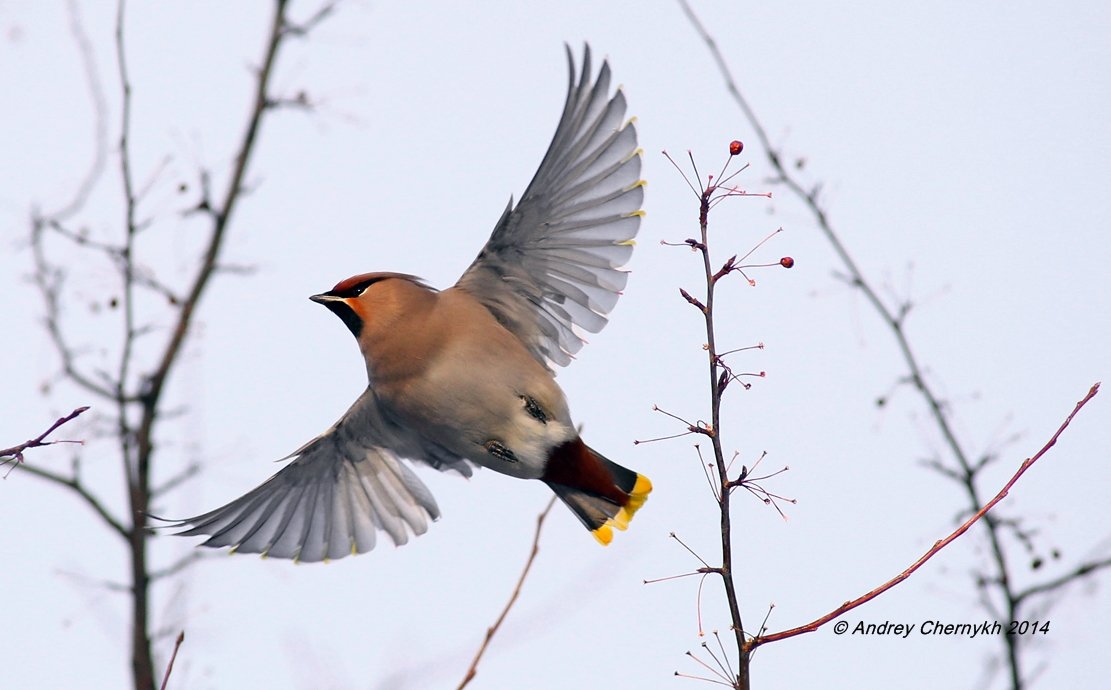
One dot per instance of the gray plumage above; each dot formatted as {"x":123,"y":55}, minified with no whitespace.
{"x":341,"y":488}
{"x":552,"y":263}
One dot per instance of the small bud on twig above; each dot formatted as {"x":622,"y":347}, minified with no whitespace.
{"x":687,"y":296}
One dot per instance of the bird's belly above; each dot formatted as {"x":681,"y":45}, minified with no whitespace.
{"x":486,"y":421}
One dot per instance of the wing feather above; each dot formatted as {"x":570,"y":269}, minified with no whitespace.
{"x":552,"y":267}
{"x":340,"y":489}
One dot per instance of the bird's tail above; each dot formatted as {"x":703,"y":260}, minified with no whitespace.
{"x":601,"y":493}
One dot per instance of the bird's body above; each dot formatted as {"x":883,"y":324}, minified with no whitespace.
{"x":463,"y":377}
{"x":438,"y":380}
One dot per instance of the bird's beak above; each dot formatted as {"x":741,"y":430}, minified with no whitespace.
{"x":341,"y":308}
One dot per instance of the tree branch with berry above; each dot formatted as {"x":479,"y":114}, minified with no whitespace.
{"x":719,"y":471}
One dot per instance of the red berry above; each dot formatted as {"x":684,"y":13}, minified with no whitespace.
{"x":735,"y":147}
{"x":787,"y":262}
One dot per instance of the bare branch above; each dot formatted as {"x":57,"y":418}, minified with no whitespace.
{"x":493,"y":629}
{"x":48,"y":279}
{"x":173,"y":657}
{"x":74,"y":485}
{"x":1080,"y":571}
{"x":15,"y":453}
{"x":136,"y":391}
{"x":87,"y":581}
{"x":938,"y":546}
{"x":100,"y":119}
{"x":302,"y":29}
{"x":221,"y":213}
{"x":178,"y":566}
{"x":190,"y":471}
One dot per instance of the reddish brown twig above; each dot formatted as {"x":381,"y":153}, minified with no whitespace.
{"x":493,"y":629}
{"x":173,"y":656}
{"x":937,"y":547}
{"x":709,"y":193}
{"x":15,"y":453}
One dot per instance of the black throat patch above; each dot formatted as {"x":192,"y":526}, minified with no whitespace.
{"x":347,"y":315}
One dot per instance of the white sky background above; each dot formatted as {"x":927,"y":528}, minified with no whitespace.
{"x":964,"y":150}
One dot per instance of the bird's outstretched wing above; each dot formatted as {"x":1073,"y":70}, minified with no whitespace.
{"x":341,"y":488}
{"x":552,"y":264}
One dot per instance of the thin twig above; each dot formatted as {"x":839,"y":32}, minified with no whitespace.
{"x":938,"y":546}
{"x":1080,"y":571}
{"x":100,"y":119}
{"x":741,"y":680}
{"x":191,"y":470}
{"x":15,"y":453}
{"x":74,"y":485}
{"x":48,"y":279}
{"x":492,"y":630}
{"x":178,"y":566}
{"x":719,"y":376}
{"x":170,"y":665}
{"x":222,"y":213}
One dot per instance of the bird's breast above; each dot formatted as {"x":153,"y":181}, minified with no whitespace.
{"x":482,"y":401}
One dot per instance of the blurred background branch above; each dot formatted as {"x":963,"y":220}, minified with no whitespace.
{"x":133,"y":387}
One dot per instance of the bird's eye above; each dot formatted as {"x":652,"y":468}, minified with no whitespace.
{"x":355,"y":286}
{"x":359,"y":289}
{"x":352,"y":290}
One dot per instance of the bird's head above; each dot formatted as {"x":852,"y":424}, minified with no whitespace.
{"x":371,"y":301}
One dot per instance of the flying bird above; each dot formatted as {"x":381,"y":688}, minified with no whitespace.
{"x":464,"y":377}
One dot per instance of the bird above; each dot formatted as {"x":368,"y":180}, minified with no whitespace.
{"x":464,"y":377}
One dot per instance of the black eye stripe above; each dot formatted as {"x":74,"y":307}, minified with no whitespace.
{"x":353,"y":290}
{"x":358,"y":284}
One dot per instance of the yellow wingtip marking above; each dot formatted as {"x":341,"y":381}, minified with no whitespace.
{"x":637,"y":152}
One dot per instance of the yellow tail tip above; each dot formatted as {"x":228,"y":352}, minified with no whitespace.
{"x":637,"y":497}
{"x":603,"y":534}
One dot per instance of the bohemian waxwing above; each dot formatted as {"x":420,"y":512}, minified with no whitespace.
{"x":464,"y":376}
